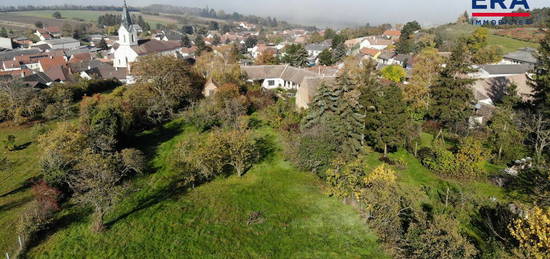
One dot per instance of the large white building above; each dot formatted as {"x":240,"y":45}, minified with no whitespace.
{"x":129,"y":47}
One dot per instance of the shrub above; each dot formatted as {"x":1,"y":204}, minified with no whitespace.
{"x":438,"y":238}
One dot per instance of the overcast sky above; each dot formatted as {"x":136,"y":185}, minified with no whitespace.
{"x":318,"y":12}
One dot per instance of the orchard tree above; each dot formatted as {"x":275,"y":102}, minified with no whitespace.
{"x":172,"y":81}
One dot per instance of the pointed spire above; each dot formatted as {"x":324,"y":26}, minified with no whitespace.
{"x":126,"y":18}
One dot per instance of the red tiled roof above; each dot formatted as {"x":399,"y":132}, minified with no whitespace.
{"x":50,"y":62}
{"x":370,"y":52}
{"x":79,"y":57}
{"x":57,"y":73}
{"x":17,"y":73}
{"x":392,"y":33}
{"x":52,"y":29}
{"x":11,"y":64}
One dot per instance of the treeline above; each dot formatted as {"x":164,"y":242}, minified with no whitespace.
{"x":116,"y":19}
{"x":63,"y":7}
{"x":219,"y":14}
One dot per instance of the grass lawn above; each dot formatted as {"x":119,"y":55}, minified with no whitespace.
{"x":91,"y":16}
{"x":160,"y":220}
{"x":14,"y":187}
{"x":509,"y":44}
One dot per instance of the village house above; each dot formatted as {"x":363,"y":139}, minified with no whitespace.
{"x":303,"y":81}
{"x":48,"y":33}
{"x":62,"y":43}
{"x":5,"y":43}
{"x":491,"y":84}
{"x":130,"y":47}
{"x":521,"y":56}
{"x":314,"y":49}
{"x":392,"y":35}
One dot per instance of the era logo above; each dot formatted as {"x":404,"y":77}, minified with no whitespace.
{"x":482,"y":4}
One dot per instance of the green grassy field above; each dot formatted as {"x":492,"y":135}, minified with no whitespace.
{"x":14,"y":187}
{"x":91,"y":16}
{"x":161,"y":220}
{"x":509,"y":44}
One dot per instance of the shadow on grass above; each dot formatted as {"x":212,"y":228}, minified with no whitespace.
{"x":25,"y":185}
{"x":173,"y":189}
{"x":14,"y":204}
{"x":77,"y":215}
{"x":22,"y":146}
{"x":150,"y":140}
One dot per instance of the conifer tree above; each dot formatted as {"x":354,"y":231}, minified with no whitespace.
{"x":451,"y":94}
{"x":342,"y":101}
{"x":386,"y":118}
{"x":541,"y":78}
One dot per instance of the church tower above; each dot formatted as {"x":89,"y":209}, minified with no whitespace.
{"x":127,"y":33}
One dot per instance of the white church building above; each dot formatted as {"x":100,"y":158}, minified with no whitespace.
{"x":129,"y":47}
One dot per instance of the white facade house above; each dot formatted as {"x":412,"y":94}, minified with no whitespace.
{"x":374,"y":43}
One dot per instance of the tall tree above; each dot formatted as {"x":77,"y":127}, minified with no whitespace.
{"x":541,"y":79}
{"x":325,"y":58}
{"x":426,"y":68}
{"x":295,"y":55}
{"x":451,"y":94}
{"x":386,"y":118}
{"x":406,"y":42}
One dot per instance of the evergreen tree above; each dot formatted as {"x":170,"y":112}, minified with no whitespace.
{"x":386,"y":118}
{"x":186,"y":42}
{"x":339,"y":53}
{"x":339,"y":106}
{"x":541,"y":78}
{"x":295,"y":55}
{"x":325,"y":58}
{"x":451,"y":94}
{"x":406,"y":43}
{"x":200,"y":44}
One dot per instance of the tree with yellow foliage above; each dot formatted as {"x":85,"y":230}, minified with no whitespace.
{"x":533,"y":233}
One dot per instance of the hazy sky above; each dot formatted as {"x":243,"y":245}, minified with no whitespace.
{"x":319,"y":12}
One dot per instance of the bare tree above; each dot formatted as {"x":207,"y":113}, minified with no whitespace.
{"x":97,"y":183}
{"x":538,"y":128}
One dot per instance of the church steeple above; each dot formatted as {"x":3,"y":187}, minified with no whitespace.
{"x":126,"y":18}
{"x":127,"y":33}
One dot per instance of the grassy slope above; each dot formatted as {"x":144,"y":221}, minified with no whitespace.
{"x":14,"y":192}
{"x":91,"y":16}
{"x":454,"y":31}
{"x":211,"y":220}
{"x":509,"y":44}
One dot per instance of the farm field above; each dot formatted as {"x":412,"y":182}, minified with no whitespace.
{"x":73,"y":16}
